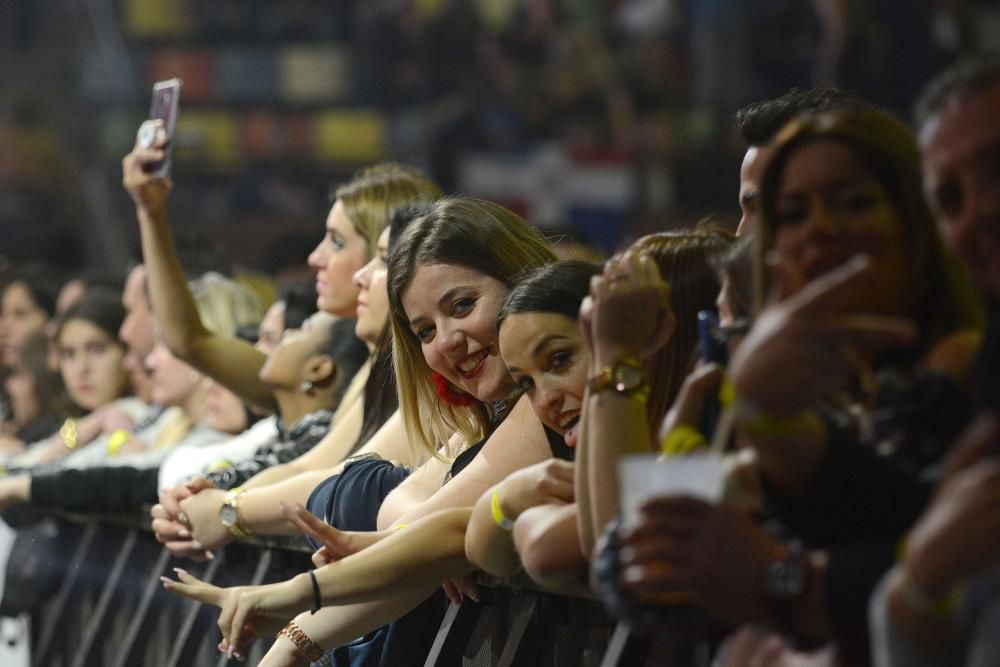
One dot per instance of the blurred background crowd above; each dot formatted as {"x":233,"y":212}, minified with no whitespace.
{"x":606,"y":118}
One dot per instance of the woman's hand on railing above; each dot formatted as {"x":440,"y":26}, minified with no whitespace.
{"x":464,"y":586}
{"x":171,"y":525}
{"x":247,"y":612}
{"x":201,"y":511}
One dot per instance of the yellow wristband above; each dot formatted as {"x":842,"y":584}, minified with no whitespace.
{"x":921,"y":602}
{"x":399,"y":526}
{"x":498,"y":516}
{"x":727,"y":393}
{"x":117,"y":440}
{"x":682,"y":439}
{"x":755,"y":420}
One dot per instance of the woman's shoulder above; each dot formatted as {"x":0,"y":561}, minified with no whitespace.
{"x":520,"y":428}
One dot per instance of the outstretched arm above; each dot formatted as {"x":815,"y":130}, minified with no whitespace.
{"x":233,"y":363}
{"x":414,"y":560}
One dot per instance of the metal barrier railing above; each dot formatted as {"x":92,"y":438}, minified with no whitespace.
{"x":110,"y":610}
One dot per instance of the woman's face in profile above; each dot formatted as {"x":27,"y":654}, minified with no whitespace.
{"x":335,"y":260}
{"x":224,"y":410}
{"x":174,"y":382}
{"x":545,"y":355}
{"x":829,"y":208}
{"x":285,"y":365}
{"x":373,"y":297}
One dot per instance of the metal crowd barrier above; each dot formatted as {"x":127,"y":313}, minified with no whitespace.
{"x":111,"y":611}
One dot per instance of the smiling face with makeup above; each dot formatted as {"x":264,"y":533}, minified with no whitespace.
{"x":546,"y":358}
{"x":452,"y":310}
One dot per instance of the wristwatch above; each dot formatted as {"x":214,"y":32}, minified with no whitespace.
{"x":229,"y":513}
{"x":626,"y":377}
{"x":786,"y":575}
{"x":786,"y":580}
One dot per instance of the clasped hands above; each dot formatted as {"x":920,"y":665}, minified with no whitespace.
{"x":251,"y":611}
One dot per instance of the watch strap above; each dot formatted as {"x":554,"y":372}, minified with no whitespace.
{"x":303,"y":643}
{"x":232,"y":500}
{"x":610,"y":378}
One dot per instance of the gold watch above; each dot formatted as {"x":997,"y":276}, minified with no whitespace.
{"x":627,"y":377}
{"x":229,"y":513}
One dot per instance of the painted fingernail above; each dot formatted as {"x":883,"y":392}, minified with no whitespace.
{"x":179,"y":570}
{"x":166,"y":580}
{"x":196,"y":545}
{"x":184,"y":532}
{"x":209,"y":555}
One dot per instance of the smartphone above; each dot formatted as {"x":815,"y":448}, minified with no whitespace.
{"x":713,"y":350}
{"x":164,"y":107}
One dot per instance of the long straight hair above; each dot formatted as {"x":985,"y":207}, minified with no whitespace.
{"x":457,"y":231}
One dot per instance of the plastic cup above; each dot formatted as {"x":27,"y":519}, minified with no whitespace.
{"x":644,"y":476}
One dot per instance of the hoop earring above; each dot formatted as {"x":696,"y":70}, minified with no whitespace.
{"x":448,"y":394}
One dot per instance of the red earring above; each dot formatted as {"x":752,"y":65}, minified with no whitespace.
{"x":448,"y":393}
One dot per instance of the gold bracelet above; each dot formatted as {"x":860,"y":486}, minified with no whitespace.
{"x":69,"y":434}
{"x":117,"y":440}
{"x":303,"y":643}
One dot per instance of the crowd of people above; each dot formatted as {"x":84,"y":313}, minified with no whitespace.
{"x":452,"y":397}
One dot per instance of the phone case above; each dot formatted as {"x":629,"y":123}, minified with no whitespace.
{"x":164,"y":107}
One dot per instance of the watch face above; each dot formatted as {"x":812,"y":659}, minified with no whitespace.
{"x":786,"y":578}
{"x":228,"y":515}
{"x":627,"y":378}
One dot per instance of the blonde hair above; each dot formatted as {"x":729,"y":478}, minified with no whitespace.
{"x":459,"y":231}
{"x":371,"y":196}
{"x":224,"y":305}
